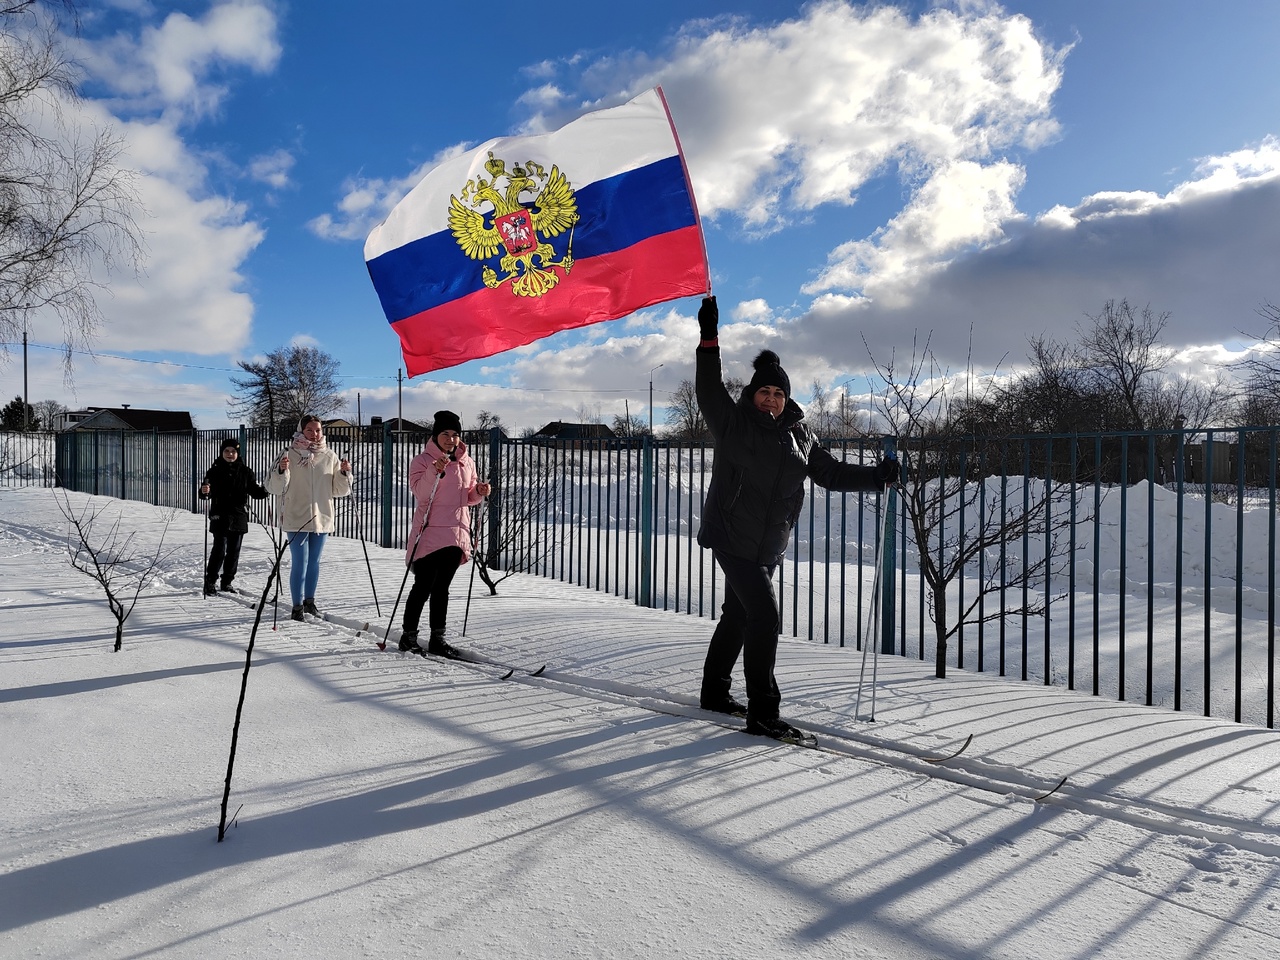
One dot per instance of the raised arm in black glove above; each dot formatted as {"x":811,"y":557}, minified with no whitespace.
{"x":888,"y":472}
{"x":709,"y":318}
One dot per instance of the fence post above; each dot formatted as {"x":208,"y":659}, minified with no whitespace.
{"x":195,"y":473}
{"x":644,"y":596}
{"x":889,"y":560}
{"x":495,"y":496}
{"x":387,"y":476}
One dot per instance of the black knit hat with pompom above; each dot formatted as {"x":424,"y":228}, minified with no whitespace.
{"x":769,"y":373}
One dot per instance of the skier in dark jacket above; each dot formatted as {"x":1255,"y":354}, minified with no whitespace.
{"x":228,"y":485}
{"x":764,"y":454}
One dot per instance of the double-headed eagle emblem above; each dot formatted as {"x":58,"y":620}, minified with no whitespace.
{"x":490,"y":217}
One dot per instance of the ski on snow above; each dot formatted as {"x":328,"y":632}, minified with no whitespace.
{"x":467,"y":658}
{"x":797,"y":738}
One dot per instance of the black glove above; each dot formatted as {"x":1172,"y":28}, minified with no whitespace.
{"x":708,"y":318}
{"x":888,"y":472}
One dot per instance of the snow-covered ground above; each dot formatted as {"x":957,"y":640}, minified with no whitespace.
{"x":393,"y":806}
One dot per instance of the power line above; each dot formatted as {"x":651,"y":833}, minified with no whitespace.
{"x":342,"y":376}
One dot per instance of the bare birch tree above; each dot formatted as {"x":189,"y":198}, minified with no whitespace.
{"x":968,"y":526}
{"x":67,"y":205}
{"x":289,"y":383}
{"x":510,"y":532}
{"x":118,"y":562}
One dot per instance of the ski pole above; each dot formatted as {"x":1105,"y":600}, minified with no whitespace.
{"x":873,"y":624}
{"x":205,"y":570}
{"x":472,"y":585}
{"x":426,"y":514}
{"x":873,"y":620}
{"x":364,"y":546}
{"x":279,"y":542}
{"x":278,"y":506}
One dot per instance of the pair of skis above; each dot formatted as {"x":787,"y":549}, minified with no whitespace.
{"x":467,"y":658}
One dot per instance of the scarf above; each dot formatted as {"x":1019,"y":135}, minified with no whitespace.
{"x":306,"y":449}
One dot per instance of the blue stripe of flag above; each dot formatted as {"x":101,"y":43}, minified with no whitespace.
{"x":614,"y":213}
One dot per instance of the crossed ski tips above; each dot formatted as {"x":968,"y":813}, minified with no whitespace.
{"x":469,"y":658}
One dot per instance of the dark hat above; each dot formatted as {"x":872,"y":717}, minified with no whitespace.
{"x":445,"y":420}
{"x":769,"y":373}
{"x":229,"y":442}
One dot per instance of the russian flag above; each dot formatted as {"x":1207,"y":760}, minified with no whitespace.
{"x":527,"y":236}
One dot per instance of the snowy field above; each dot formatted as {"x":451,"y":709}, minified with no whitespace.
{"x":393,"y":806}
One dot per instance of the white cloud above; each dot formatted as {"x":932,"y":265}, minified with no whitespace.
{"x":191,"y":294}
{"x":191,"y":297}
{"x":169,"y":66}
{"x":960,"y":205}
{"x":1204,"y":252}
{"x":365,"y":201}
{"x":542,"y":98}
{"x":779,"y":120}
{"x":272,"y":168}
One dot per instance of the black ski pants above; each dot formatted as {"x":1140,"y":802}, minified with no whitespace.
{"x":432,"y":575}
{"x":748,"y":626}
{"x":224,"y":556}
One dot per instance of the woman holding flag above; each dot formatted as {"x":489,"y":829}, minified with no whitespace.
{"x":444,"y":483}
{"x":764,"y":456}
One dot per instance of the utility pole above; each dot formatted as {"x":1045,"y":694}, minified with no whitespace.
{"x":651,"y":398}
{"x":26,"y":406}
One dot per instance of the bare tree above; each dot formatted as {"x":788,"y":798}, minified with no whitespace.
{"x":1123,"y":351}
{"x":850,"y":418}
{"x":290,"y":382}
{"x":1259,"y":402}
{"x":819,"y":412}
{"x":67,"y":207}
{"x":684,"y":416}
{"x":1115,"y":377}
{"x":116,"y":561}
{"x":590,"y":413}
{"x":509,"y":533}
{"x":48,"y":413}
{"x":630,"y":426}
{"x":966,"y":529}
{"x":487,"y":420}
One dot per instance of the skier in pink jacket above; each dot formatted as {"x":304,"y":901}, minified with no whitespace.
{"x":443,"y":481}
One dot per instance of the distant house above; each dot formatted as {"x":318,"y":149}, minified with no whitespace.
{"x":339,"y":429}
{"x":559,"y":430}
{"x":129,"y":418}
{"x":373,"y":432}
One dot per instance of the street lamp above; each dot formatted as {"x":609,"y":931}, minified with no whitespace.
{"x":651,"y":398}
{"x":26,"y":407}
{"x":26,"y":415}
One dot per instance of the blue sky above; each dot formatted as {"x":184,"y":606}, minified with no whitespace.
{"x":971,"y":173}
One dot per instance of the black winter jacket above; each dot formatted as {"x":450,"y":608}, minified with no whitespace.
{"x":230,"y":487}
{"x":760,"y":469}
